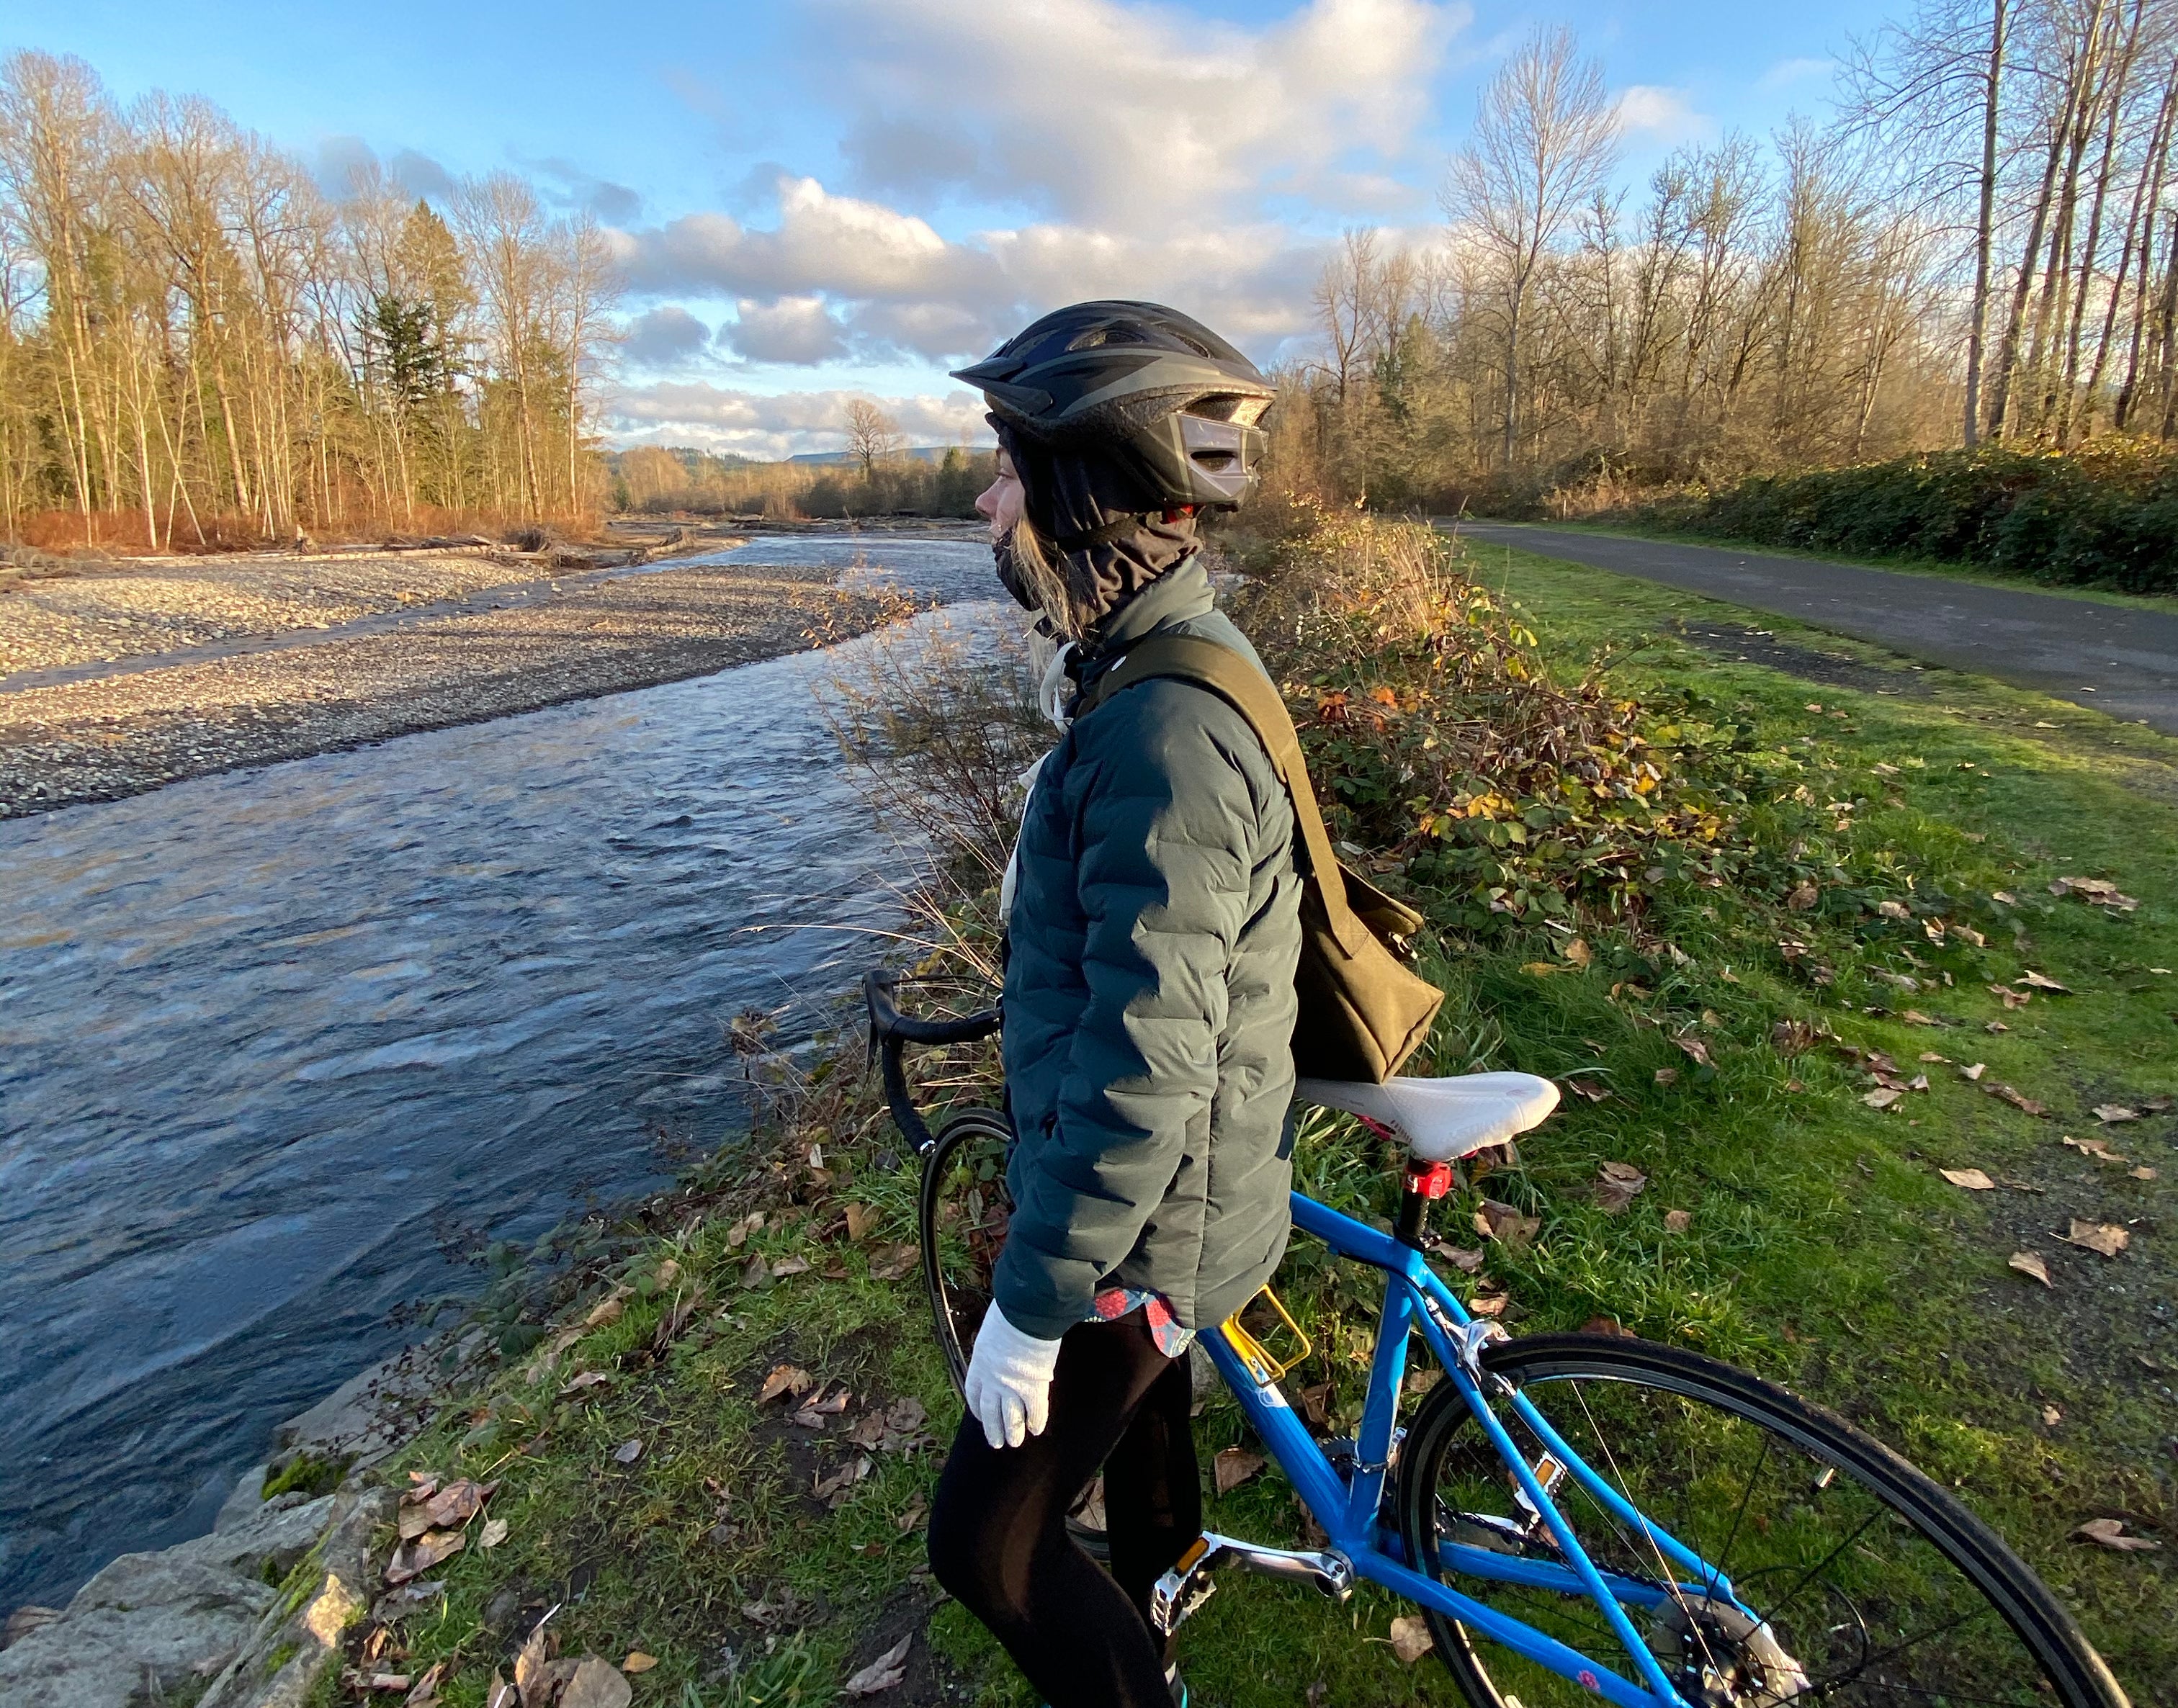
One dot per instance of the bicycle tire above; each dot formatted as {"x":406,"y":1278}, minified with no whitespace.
{"x":2045,"y":1630}
{"x":968,"y":1127}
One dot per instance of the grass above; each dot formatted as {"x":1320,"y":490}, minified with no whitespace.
{"x":1822,"y":1247}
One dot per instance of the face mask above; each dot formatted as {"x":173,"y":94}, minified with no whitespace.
{"x":1002,"y":553}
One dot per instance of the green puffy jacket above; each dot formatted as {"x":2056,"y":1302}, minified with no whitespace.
{"x":1149,"y":997}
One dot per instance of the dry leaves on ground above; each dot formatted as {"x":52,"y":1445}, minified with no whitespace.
{"x":596,"y":1683}
{"x":2018,"y":1100}
{"x":427,"y":1506}
{"x":1973,"y":1070}
{"x":2041,"y":981}
{"x":1696,"y":1052}
{"x":1467,"y":1259}
{"x":1667,"y":1076}
{"x":1883,"y":1097}
{"x":637,"y":1662}
{"x":1506,"y":1225}
{"x":882,"y":1673}
{"x":2110,"y":1114}
{"x":2101,"y":892}
{"x":894,"y":1263}
{"x":412,"y":1558}
{"x":1234,"y":1466}
{"x":861,"y":1218}
{"x":1617,"y":1184}
{"x":2098,"y":1149}
{"x":1973,"y":1179}
{"x":821,"y":1406}
{"x":2110,"y":1533}
{"x":2107,"y":1238}
{"x":494,"y":1532}
{"x":2010,"y":998}
{"x":1411,"y":1638}
{"x":784,"y":1378}
{"x":2031,"y":1263}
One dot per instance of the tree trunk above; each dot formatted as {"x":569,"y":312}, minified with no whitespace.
{"x":1984,"y":221}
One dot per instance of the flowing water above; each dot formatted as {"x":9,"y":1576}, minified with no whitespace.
{"x":274,"y":1044}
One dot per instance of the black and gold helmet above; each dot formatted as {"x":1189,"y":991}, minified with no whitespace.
{"x":1142,"y":383}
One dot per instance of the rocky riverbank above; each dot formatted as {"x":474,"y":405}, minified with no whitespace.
{"x":273,"y":659}
{"x":251,"y":1615}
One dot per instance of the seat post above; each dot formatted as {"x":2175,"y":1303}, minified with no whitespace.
{"x":1425,"y":1183}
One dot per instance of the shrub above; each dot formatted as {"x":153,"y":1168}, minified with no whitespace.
{"x":2104,"y":515}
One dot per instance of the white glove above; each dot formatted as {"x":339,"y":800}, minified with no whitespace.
{"x":1009,"y":1387}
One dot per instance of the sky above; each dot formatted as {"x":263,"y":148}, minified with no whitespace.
{"x":817,"y":199}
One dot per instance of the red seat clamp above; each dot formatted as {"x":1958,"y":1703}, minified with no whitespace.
{"x":1432,"y":1180}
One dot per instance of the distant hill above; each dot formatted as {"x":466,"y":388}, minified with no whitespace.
{"x":921,"y":453}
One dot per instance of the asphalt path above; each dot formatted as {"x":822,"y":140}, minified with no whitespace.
{"x":2119,"y":660}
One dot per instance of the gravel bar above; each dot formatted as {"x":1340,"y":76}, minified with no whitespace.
{"x":102,"y":739}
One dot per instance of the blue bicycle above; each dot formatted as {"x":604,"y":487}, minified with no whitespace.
{"x":1573,"y":1515}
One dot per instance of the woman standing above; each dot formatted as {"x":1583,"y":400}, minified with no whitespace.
{"x":1149,"y":1003}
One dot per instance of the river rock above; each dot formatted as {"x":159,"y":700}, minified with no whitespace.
{"x":151,"y":1627}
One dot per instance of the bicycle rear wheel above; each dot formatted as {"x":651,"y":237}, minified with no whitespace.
{"x":1869,"y":1584}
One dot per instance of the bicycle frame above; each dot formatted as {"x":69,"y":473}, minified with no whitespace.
{"x":1348,"y":1509}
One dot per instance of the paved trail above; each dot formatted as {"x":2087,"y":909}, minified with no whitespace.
{"x":2119,"y":660}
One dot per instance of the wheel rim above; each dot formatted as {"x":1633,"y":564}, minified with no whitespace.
{"x":1866,"y":1583}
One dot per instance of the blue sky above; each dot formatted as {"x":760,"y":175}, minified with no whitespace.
{"x":818,"y":198}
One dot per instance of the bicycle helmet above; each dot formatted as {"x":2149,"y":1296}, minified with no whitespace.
{"x":1157,"y":393}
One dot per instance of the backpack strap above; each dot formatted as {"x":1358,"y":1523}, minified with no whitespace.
{"x":1250,"y":692}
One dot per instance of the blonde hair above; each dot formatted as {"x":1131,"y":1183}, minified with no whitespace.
{"x":1042,"y":572}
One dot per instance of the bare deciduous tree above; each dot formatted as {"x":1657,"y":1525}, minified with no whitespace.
{"x":1544,"y":142}
{"x":872,"y":435}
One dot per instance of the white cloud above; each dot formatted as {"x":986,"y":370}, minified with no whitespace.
{"x":1125,"y":116}
{"x":1664,"y":114}
{"x":797,"y":329}
{"x":666,"y":337}
{"x":713,"y":418}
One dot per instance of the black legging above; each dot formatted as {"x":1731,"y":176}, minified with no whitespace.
{"x":998,"y":1530}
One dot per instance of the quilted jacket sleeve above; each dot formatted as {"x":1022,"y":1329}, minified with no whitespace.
{"x":1167,"y":811}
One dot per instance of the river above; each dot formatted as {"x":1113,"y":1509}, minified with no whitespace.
{"x":277,"y":1045}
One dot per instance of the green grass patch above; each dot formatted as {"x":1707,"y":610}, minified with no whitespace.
{"x":1874,"y":867}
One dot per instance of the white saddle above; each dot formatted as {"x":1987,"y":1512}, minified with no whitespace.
{"x":1442,"y":1119}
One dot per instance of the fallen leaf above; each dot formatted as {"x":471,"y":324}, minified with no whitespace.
{"x":2010,"y":998}
{"x":412,"y":1558}
{"x":784,"y":1378}
{"x":1968,"y":934}
{"x":2110,"y":1114}
{"x":1792,"y":1037}
{"x":2141,"y":1173}
{"x":1914,"y":1017}
{"x":1931,"y":1056}
{"x":1667,"y":1076}
{"x":1581,"y":1088}
{"x":582,"y":1379}
{"x":1411,"y":1638}
{"x":2099,"y":891}
{"x":1883,"y":1098}
{"x":2030,"y":1263}
{"x":426,"y":1692}
{"x":2110,"y":1533}
{"x":2098,"y":1149}
{"x":758,"y":1274}
{"x":1538,"y":969}
{"x":1894,"y":910}
{"x":629,"y":1451}
{"x":1234,"y":1466}
{"x":861,"y":1218}
{"x":1617,"y":1184}
{"x":894,"y":1263}
{"x":2106,"y":1237}
{"x":1467,"y":1259}
{"x":2042,"y":983}
{"x":448,"y":1507}
{"x":531,"y":1666}
{"x":499,"y":1694}
{"x":1995,"y":1026}
{"x":1801,"y":898}
{"x":637,"y":1662}
{"x":492,"y":1533}
{"x":2004,"y":896}
{"x":882,"y":1673}
{"x":596,"y":1684}
{"x":1696,"y":1052}
{"x":1973,"y":1071}
{"x":1610,"y":1327}
{"x":608,"y":1309}
{"x":789,"y":1266}
{"x":1504,"y":1225}
{"x":1973,"y":1179}
{"x":2017,"y":1100}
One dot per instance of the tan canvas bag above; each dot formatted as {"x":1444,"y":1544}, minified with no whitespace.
{"x":1362,"y":1011}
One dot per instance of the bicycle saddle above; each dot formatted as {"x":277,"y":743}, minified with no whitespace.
{"x":1442,"y":1119}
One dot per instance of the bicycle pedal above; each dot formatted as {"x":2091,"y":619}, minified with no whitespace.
{"x":1185,"y":1588}
{"x":1549,"y":1473}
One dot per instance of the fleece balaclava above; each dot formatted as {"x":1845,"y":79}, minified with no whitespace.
{"x":1111,"y":538}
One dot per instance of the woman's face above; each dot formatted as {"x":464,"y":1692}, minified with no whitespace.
{"x":1000,"y":504}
